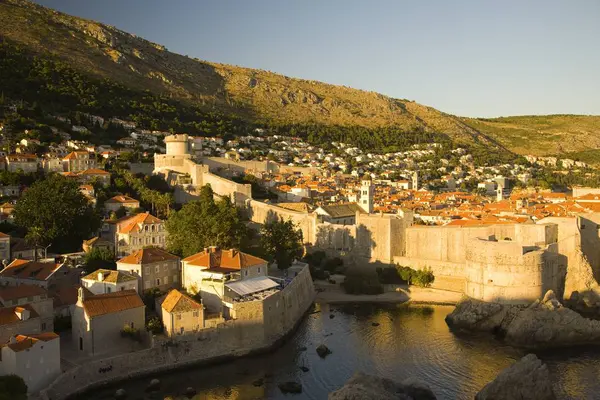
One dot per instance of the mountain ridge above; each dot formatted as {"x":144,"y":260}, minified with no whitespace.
{"x":257,"y":95}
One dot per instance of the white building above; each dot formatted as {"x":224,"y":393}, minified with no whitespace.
{"x":108,"y":281}
{"x":35,"y":358}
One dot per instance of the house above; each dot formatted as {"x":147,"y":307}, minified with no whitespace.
{"x":97,"y":243}
{"x":22,"y":162}
{"x":127,"y":142}
{"x":155,"y":268}
{"x":89,"y":192}
{"x":139,"y":231}
{"x":4,"y":247}
{"x":22,"y":249}
{"x":342,"y":214}
{"x":9,"y":191}
{"x":65,"y":298}
{"x":27,"y":142}
{"x":94,"y":174}
{"x":52,"y":164}
{"x":18,"y":320}
{"x":6,"y":210}
{"x":35,"y":296}
{"x":98,"y":320}
{"x":208,"y":271}
{"x":77,"y":161}
{"x":27,"y":272}
{"x":35,"y":358}
{"x":116,"y":202}
{"x":181,"y":314}
{"x":108,"y":281}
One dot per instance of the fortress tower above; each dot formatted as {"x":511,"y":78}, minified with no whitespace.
{"x":178,"y":145}
{"x":367,"y":191}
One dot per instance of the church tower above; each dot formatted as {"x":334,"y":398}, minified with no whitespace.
{"x":367,"y":192}
{"x":415,"y":180}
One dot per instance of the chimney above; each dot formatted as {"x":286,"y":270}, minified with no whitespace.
{"x":100,"y":276}
{"x":80,"y":294}
{"x":212,"y":249}
{"x":12,"y":340}
{"x":22,"y":313}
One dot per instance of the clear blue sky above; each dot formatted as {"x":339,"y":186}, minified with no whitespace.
{"x":470,"y":58}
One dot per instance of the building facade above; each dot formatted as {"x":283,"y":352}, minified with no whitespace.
{"x":181,"y":314}
{"x":104,"y":281}
{"x":154,"y":267}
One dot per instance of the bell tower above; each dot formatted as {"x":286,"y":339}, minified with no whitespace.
{"x":367,"y":192}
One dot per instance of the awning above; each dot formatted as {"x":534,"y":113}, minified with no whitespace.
{"x":252,"y":285}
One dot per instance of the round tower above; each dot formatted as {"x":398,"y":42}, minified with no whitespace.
{"x":177,"y":145}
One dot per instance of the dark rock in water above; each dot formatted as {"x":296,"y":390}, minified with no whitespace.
{"x":375,"y":324}
{"x":303,"y":348}
{"x":331,"y":316}
{"x":190,"y":392}
{"x":290,"y":387}
{"x":304,"y":369}
{"x":528,"y":378}
{"x":120,"y":394}
{"x":153,"y":386}
{"x":323,"y":351}
{"x":542,"y":324}
{"x":367,"y":387}
{"x":259,"y":382}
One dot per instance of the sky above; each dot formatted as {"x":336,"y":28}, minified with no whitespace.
{"x":476,"y":58}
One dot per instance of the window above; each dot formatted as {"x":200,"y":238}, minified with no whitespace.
{"x":246,"y":272}
{"x":43,"y":326}
{"x":195,"y":314}
{"x":175,"y":278}
{"x":179,"y":317}
{"x":157,"y":269}
{"x":181,"y":330}
{"x":147,"y":270}
{"x":259,"y":270}
{"x":158,"y":282}
{"x":166,"y":282}
{"x":131,"y":325}
{"x":147,"y":285}
{"x":108,"y":290}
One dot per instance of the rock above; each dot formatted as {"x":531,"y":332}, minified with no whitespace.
{"x":542,"y":324}
{"x":367,"y":387}
{"x":304,"y":369}
{"x":375,"y":324}
{"x":323,"y":351}
{"x":153,"y":386}
{"x":290,"y":387}
{"x":528,"y":378}
{"x":331,"y":316}
{"x":120,"y":394}
{"x":259,"y":382}
{"x":190,"y":392}
{"x":303,"y":348}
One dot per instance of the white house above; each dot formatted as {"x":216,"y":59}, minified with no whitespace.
{"x":108,"y":281}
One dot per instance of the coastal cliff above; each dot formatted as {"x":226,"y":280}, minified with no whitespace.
{"x":543,"y":324}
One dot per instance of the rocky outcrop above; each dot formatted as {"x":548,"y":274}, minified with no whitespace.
{"x":526,"y":379}
{"x":545,"y":323}
{"x":367,"y":387}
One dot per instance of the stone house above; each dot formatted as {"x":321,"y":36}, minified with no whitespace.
{"x":341,"y":214}
{"x":208,"y":271}
{"x":21,"y":249}
{"x":35,"y":358}
{"x":97,"y":320}
{"x":24,"y":162}
{"x":115,"y":203}
{"x":18,"y":320}
{"x":94,"y":174}
{"x":35,"y":296}
{"x":139,"y":231}
{"x":97,"y":243}
{"x":181,"y":314}
{"x":154,"y":267}
{"x":108,"y":281}
{"x":77,"y":161}
{"x":44,"y":274}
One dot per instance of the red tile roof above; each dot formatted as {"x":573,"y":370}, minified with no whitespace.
{"x":176,"y":301}
{"x":109,"y":303}
{"x":223,"y":260}
{"x":133,"y":223}
{"x":148,"y":255}
{"x":21,"y":291}
{"x":122,"y":199}
{"x":8,"y":315}
{"x":27,"y":269}
{"x":24,"y":342}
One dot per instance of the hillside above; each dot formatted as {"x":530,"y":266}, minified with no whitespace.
{"x":104,"y":52}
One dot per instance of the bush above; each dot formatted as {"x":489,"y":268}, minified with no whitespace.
{"x":422,"y":277}
{"x":149,"y":296}
{"x":316,"y":258}
{"x":389,"y":275}
{"x":154,"y":326}
{"x":362,"y":282}
{"x":131,"y":333}
{"x":12,"y":387}
{"x":333,"y":264}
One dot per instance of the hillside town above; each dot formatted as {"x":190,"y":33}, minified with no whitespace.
{"x":57,"y":307}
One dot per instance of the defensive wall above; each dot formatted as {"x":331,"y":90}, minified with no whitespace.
{"x":259,"y":326}
{"x":507,"y":271}
{"x":228,"y":166}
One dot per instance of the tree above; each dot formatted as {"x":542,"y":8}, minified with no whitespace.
{"x":205,"y":222}
{"x":98,"y":258}
{"x":282,"y":242}
{"x":54,"y":211}
{"x":12,"y":387}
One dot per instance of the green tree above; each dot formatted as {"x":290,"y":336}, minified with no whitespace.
{"x":282,"y":242}
{"x":99,"y":258}
{"x":54,"y":211}
{"x":12,"y":387}
{"x":205,"y":222}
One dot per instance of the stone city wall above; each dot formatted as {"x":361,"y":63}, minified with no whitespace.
{"x":260,"y":326}
{"x":260,"y":212}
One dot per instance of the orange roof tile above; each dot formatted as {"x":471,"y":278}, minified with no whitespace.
{"x":109,"y":303}
{"x":93,"y":171}
{"x":176,"y":301}
{"x":223,"y":260}
{"x":8,"y":315}
{"x":21,"y":291}
{"x":132,"y":223}
{"x":24,"y":342}
{"x":122,"y":199}
{"x":148,"y":255}
{"x":27,"y":269}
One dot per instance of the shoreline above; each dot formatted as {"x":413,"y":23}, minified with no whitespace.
{"x":333,"y":294}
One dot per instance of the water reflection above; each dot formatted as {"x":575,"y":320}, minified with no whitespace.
{"x":394,"y":341}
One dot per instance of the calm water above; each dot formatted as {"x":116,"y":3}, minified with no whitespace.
{"x":410,"y":341}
